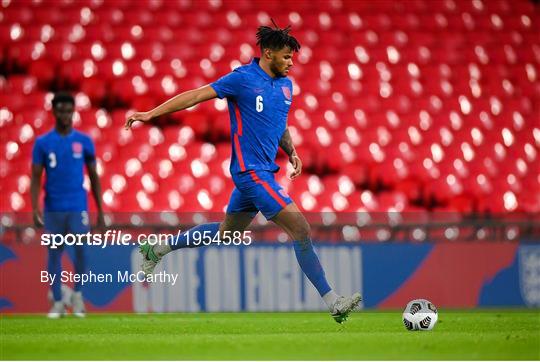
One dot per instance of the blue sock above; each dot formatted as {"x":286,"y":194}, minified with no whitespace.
{"x":191,"y":238}
{"x":311,"y":266}
{"x":54,"y":267}
{"x":80,"y":265}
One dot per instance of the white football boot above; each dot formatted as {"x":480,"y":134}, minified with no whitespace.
{"x":58,"y":310}
{"x":150,"y":259}
{"x":77,"y":302}
{"x":345,"y":305}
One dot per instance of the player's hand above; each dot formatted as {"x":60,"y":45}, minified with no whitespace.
{"x":38,"y":219}
{"x":137,"y":117}
{"x":296,"y":163}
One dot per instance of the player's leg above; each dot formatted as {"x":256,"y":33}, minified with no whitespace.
{"x":55,"y":223}
{"x":234,"y":221}
{"x":78,"y":223}
{"x":152,"y":254}
{"x":269,"y":197}
{"x":237,"y":221}
{"x":276,"y":205}
{"x":80,"y":265}
{"x":77,"y":300}
{"x":54,"y":267}
{"x":240,"y":213}
{"x":295,"y":224}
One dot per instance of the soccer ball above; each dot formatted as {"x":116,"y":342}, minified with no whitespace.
{"x":420,"y":315}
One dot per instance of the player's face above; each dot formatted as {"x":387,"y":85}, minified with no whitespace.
{"x":281,"y":61}
{"x":63,"y":112}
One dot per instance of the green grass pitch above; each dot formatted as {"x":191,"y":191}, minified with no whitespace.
{"x":471,"y":335}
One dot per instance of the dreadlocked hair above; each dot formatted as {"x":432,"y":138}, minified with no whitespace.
{"x":62,"y":97}
{"x":276,"y":38}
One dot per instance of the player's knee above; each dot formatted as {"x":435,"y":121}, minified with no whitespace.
{"x":229,"y":228}
{"x":301,"y":232}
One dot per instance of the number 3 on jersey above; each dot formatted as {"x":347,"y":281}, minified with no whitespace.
{"x":259,"y":104}
{"x":52,"y":160}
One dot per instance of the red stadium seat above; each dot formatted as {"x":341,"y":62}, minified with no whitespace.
{"x":13,"y":102}
{"x":432,"y":100}
{"x":22,"y":84}
{"x":95,"y":88}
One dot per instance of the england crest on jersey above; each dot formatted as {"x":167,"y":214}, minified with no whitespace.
{"x":286,"y":92}
{"x":77,"y":149}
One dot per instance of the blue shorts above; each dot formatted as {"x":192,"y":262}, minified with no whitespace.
{"x":66,"y":222}
{"x":257,"y":191}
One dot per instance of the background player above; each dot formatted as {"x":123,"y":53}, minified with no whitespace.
{"x":259,"y":96}
{"x":63,"y":152}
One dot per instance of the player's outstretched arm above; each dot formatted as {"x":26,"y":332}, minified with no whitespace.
{"x":287,"y":145}
{"x":35,"y":185}
{"x":177,"y":103}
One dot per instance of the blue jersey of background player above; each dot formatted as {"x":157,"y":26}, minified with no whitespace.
{"x":63,"y":153}
{"x":259,"y":96}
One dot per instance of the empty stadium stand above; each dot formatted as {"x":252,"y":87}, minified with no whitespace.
{"x":400,"y":107}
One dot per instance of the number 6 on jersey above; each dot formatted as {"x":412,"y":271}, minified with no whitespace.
{"x":259,"y":104}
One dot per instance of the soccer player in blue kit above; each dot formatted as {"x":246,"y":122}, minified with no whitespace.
{"x":259,"y":96}
{"x":62,"y":153}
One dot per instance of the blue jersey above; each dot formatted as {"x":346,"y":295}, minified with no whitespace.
{"x":63,"y":158}
{"x":258,"y":108}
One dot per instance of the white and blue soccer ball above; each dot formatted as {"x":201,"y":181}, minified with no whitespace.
{"x":420,"y":315}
